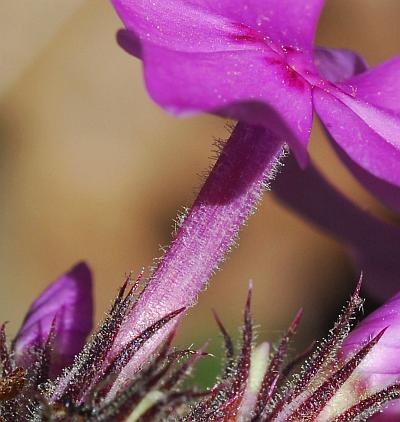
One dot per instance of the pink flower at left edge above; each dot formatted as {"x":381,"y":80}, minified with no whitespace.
{"x":255,"y":61}
{"x":68,"y":303}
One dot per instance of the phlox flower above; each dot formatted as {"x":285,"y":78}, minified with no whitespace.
{"x":255,"y":61}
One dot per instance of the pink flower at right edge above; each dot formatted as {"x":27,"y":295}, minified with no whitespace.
{"x":381,"y":367}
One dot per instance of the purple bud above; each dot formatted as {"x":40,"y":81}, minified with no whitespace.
{"x":68,"y":303}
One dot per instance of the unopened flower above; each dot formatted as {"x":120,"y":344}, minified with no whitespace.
{"x":66,"y":307}
{"x":325,"y":383}
{"x":255,"y":61}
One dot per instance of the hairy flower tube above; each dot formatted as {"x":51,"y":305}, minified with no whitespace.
{"x":229,"y":195}
{"x":345,"y":377}
{"x":254,"y":61}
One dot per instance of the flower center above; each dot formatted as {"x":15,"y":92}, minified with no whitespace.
{"x":297,"y":67}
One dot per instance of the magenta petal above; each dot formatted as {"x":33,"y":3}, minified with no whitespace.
{"x":386,"y":192}
{"x":370,"y":136}
{"x":206,"y":56}
{"x":286,"y":22}
{"x":380,"y":86}
{"x":68,"y":300}
{"x":337,"y":64}
{"x":241,"y":85}
{"x":180,"y":24}
{"x":374,"y":243}
{"x":176,"y":25}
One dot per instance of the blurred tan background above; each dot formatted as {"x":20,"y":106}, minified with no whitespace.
{"x":91,"y":169}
